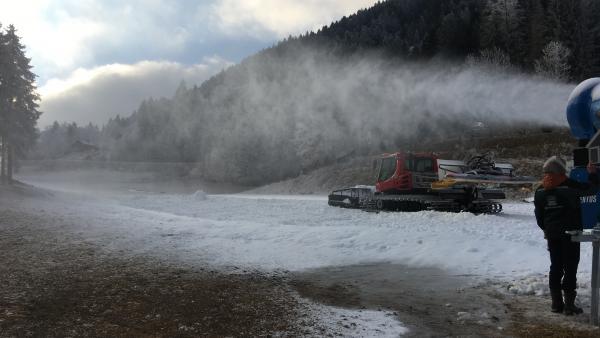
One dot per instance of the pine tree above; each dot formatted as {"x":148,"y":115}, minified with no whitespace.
{"x":18,"y":101}
{"x":4,"y":63}
{"x":586,"y":49}
{"x":502,"y":19}
{"x":494,"y":58}
{"x":537,"y":32}
{"x":554,"y":62}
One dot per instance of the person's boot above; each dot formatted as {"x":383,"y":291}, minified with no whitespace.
{"x":570,"y":307}
{"x":557,"y":301}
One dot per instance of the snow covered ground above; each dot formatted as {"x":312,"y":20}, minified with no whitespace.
{"x":302,"y":232}
{"x":275,"y":233}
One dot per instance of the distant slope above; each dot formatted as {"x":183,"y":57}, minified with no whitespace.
{"x":526,"y":150}
{"x":321,"y":181}
{"x":358,"y":172}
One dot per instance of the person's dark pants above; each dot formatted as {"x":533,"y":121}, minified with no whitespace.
{"x":564,"y":260}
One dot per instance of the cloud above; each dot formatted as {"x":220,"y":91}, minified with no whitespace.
{"x":94,"y":95}
{"x":260,"y":18}
{"x":89,"y":53}
{"x":63,"y":35}
{"x":55,"y":43}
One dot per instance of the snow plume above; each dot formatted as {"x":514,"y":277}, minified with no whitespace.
{"x":288,"y":109}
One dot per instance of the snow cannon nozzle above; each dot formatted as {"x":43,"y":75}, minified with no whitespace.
{"x":583,"y":104}
{"x":583,"y":115}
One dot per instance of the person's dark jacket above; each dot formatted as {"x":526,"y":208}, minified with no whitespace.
{"x":558,"y":210}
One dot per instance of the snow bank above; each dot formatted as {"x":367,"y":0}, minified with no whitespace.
{"x":199,"y":196}
{"x":341,"y":322}
{"x":296,"y":233}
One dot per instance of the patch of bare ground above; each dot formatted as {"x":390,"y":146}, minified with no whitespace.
{"x":56,"y":286}
{"x":531,"y":317}
{"x":434,"y":303}
{"x":429,"y":301}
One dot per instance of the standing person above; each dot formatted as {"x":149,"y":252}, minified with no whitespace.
{"x":557,"y":209}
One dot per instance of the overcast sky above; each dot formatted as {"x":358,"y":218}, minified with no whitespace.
{"x":99,"y":58}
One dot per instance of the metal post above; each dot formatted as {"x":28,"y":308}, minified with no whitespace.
{"x":592,"y":235}
{"x":595,"y":282}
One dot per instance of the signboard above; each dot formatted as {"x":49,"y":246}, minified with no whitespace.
{"x":588,"y":201}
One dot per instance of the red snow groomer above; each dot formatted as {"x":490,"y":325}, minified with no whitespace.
{"x":422,"y":181}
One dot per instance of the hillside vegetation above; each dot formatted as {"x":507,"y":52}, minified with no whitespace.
{"x":402,"y":74}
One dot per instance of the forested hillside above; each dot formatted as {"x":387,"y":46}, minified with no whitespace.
{"x":529,"y":34}
{"x":400,"y":74}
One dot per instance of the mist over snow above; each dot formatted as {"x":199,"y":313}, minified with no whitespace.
{"x":282,"y":112}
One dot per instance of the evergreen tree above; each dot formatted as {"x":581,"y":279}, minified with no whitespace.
{"x":554,"y":62}
{"x":493,"y":58}
{"x":586,"y":38}
{"x":4,"y":63}
{"x":535,"y":30}
{"x":501,"y":23}
{"x":18,"y":101}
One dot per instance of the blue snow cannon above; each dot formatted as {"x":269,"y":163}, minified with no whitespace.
{"x":583,"y":108}
{"x":583,"y":114}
